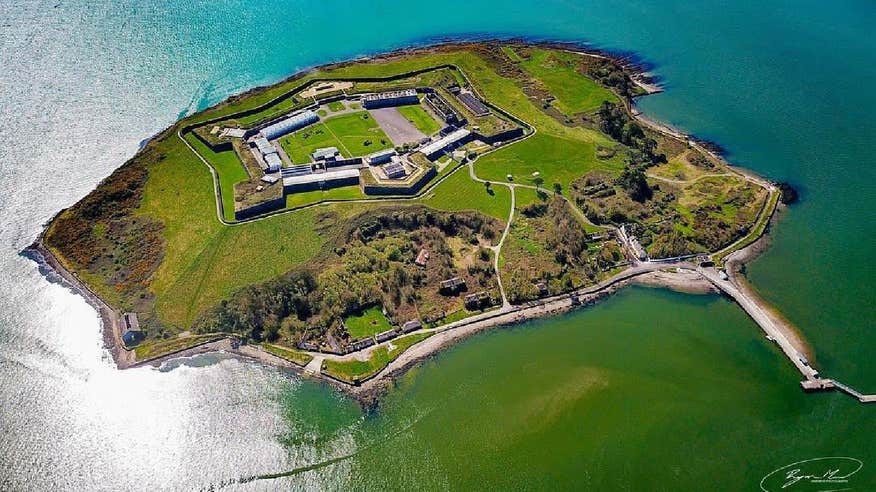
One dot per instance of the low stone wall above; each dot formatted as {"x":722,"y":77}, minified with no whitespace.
{"x":260,"y":208}
{"x":500,"y":137}
{"x":319,"y":185}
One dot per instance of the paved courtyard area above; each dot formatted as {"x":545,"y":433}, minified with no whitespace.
{"x":396,"y":126}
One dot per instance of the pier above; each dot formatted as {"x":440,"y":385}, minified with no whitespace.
{"x":776,"y":333}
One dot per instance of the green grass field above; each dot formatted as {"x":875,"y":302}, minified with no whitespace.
{"x":357,"y":370}
{"x":527,"y":196}
{"x":420,"y":118}
{"x":336,"y":106}
{"x":368,"y":323}
{"x":354,"y":134}
{"x":292,"y":355}
{"x":460,"y":192}
{"x":228,"y":167}
{"x":556,"y":159}
{"x":308,"y":197}
{"x":574,"y":92}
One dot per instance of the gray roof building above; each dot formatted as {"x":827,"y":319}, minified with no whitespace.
{"x":289,"y":125}
{"x":324,"y":153}
{"x":394,"y":170}
{"x":390,"y":98}
{"x":433,"y":149}
{"x":273,"y":163}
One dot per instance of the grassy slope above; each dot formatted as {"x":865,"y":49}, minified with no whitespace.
{"x":527,"y":196}
{"x":230,"y":171}
{"x":557,"y":159}
{"x":204,"y":260}
{"x":308,"y":197}
{"x":575,"y":93}
{"x":294,"y":356}
{"x":460,"y":192}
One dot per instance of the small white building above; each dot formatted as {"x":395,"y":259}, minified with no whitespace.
{"x":325,"y":153}
{"x":379,"y":157}
{"x":435,"y":148}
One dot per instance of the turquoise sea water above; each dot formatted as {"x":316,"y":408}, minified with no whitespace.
{"x":648,"y":391}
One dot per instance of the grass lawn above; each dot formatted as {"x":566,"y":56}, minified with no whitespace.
{"x":336,"y":106}
{"x":368,"y":323}
{"x":419,"y":118}
{"x":299,"y":145}
{"x":308,"y":197}
{"x":293,"y":356}
{"x":556,"y":159}
{"x":354,"y":134}
{"x":162,"y":347}
{"x":460,"y":192}
{"x":359,"y":133}
{"x":455,"y":316}
{"x":575,"y":93}
{"x":357,"y":370}
{"x":527,"y":196}
{"x":228,"y":167}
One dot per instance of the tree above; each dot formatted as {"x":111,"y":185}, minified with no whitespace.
{"x":634,"y":182}
{"x":558,"y":188}
{"x":538,"y":182}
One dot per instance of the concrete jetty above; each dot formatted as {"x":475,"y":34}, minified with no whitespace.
{"x":774,"y":332}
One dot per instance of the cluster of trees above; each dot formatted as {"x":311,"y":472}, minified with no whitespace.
{"x":564,"y":262}
{"x":373,"y":263}
{"x":641,"y":152}
{"x":616,"y":123}
{"x":610,"y":74}
{"x":634,"y":182}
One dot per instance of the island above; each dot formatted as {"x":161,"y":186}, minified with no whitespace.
{"x":359,"y":216}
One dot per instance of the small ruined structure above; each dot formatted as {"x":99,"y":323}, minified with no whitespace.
{"x":452,"y":285}
{"x":411,"y":325}
{"x":131,"y":333}
{"x":422,"y":258}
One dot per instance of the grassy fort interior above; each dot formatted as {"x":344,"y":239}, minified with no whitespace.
{"x":367,"y":204}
